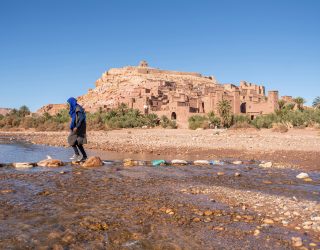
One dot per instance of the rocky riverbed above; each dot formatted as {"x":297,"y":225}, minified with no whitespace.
{"x":241,"y":204}
{"x":166,"y":207}
{"x":299,"y":148}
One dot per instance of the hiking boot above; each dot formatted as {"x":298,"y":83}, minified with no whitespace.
{"x":83,"y":159}
{"x":74,"y":157}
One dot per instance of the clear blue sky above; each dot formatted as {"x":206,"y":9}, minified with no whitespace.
{"x":53,"y":49}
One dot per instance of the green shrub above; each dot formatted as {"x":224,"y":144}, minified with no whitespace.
{"x":165,"y":122}
{"x":198,"y":121}
{"x":265,"y":121}
{"x":121,"y":117}
{"x":214,"y":121}
{"x":241,"y":119}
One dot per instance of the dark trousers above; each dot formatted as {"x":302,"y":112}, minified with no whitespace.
{"x":76,"y":146}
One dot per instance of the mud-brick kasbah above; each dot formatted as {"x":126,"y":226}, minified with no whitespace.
{"x":178,"y":95}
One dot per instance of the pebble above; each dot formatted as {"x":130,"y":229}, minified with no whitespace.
{"x":287,"y":214}
{"x":308,"y":223}
{"x":196,"y":219}
{"x":268,"y":221}
{"x":220,"y":173}
{"x":218,"y":228}
{"x":237,"y":174}
{"x":201,"y":162}
{"x":296,"y":213}
{"x":296,"y":241}
{"x":308,"y":179}
{"x":169,"y":211}
{"x":267,"y":182}
{"x":302,"y":176}
{"x":179,"y":162}
{"x":22,"y":165}
{"x":207,"y":213}
{"x":198,"y":213}
{"x":256,"y":232}
{"x":6,"y":191}
{"x":237,"y":162}
{"x":312,"y":244}
{"x":207,"y":219}
{"x":316,"y":218}
{"x":266,"y":165}
{"x":57,"y":247}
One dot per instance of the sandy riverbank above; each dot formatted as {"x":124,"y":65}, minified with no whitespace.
{"x":296,"y":148}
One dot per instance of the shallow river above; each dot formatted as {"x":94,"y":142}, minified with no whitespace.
{"x":143,"y":207}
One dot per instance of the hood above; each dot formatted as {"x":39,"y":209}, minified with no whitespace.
{"x":73,"y":104}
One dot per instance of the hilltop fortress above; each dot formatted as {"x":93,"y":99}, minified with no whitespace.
{"x":178,"y":95}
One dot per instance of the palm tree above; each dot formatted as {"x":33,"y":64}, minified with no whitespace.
{"x":224,"y":109}
{"x":281,"y":104}
{"x":316,"y":103}
{"x":24,"y":110}
{"x":299,"y":102}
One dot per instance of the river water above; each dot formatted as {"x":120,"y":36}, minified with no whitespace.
{"x":145,"y":207}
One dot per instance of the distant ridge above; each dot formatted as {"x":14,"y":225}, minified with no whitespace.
{"x":4,"y":111}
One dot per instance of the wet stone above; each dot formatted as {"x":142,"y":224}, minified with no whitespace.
{"x":268,"y":221}
{"x":207,"y":219}
{"x":307,"y":179}
{"x":296,"y":241}
{"x":196,"y":219}
{"x":207,"y":212}
{"x":7,"y":191}
{"x":50,"y":163}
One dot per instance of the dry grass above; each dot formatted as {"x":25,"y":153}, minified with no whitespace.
{"x":280,"y":127}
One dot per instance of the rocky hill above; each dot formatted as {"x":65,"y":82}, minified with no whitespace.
{"x":119,"y":85}
{"x":4,"y":111}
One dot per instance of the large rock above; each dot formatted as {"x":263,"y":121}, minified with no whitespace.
{"x":50,"y":163}
{"x":179,"y":162}
{"x":201,"y":162}
{"x":93,"y":161}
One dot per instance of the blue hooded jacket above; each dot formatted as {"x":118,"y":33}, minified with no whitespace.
{"x":76,"y":110}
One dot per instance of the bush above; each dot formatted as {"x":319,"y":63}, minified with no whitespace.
{"x":241,"y":119}
{"x":214,"y":121}
{"x":198,"y":121}
{"x":265,"y":121}
{"x":121,"y":117}
{"x":165,"y":122}
{"x":280,"y":127}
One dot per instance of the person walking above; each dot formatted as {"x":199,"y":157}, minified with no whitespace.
{"x":78,"y":127}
